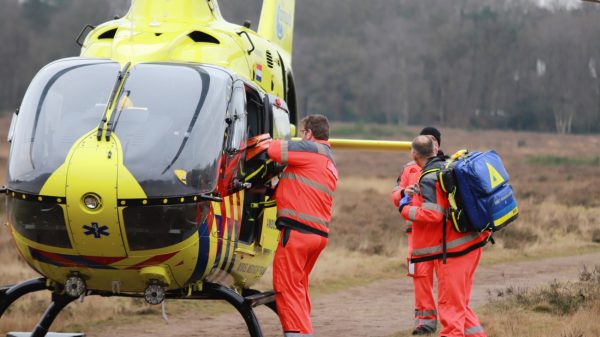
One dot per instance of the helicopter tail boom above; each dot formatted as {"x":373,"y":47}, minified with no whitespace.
{"x":277,"y":23}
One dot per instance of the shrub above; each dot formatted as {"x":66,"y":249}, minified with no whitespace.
{"x":516,"y":238}
{"x":596,"y":235}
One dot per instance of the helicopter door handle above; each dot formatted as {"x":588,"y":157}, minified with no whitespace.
{"x":249,"y":39}
{"x":210,"y":197}
{"x":240,"y":185}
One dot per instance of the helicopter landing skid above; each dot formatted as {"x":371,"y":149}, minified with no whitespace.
{"x":9,"y":294}
{"x":244,"y":305}
{"x":210,"y":291}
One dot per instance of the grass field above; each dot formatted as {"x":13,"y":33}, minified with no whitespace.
{"x":555,"y":178}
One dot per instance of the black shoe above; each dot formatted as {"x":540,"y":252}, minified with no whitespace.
{"x":423,"y":330}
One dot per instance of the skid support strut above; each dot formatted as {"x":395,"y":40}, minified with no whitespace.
{"x":10,"y":294}
{"x":59,"y":302}
{"x":240,"y":304}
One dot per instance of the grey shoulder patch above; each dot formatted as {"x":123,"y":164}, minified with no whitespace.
{"x":312,"y":147}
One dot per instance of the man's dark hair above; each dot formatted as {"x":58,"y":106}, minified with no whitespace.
{"x":431,"y":131}
{"x":318,"y":124}
{"x":423,"y":146}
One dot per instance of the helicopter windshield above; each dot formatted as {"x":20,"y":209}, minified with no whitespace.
{"x":170,"y":120}
{"x":60,"y":106}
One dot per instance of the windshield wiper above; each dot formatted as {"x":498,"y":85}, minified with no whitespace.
{"x":113,"y":94}
{"x":112,"y":123}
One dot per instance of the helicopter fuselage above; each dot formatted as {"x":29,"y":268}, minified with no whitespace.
{"x":127,"y":164}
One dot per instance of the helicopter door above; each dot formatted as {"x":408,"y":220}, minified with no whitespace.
{"x":232,"y":164}
{"x":258,"y":223}
{"x":252,"y":217}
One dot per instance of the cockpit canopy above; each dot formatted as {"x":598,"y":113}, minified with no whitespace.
{"x":170,"y":121}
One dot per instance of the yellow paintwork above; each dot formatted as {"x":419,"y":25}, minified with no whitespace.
{"x":158,"y":273}
{"x":88,"y":163}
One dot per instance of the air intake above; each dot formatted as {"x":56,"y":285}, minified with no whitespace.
{"x":109,"y":34}
{"x":198,"y":36}
{"x":269,"y":59}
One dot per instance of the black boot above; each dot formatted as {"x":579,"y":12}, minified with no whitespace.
{"x":423,"y":330}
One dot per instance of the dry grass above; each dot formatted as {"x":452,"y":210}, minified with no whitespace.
{"x":559,"y":202}
{"x":559,"y":309}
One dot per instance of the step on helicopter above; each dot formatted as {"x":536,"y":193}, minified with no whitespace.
{"x":138,"y":168}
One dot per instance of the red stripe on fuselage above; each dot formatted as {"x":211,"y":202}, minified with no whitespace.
{"x":104,"y":260}
{"x":59,"y":259}
{"x":158,"y":259}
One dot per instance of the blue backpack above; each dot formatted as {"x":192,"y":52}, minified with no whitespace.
{"x":478,"y":190}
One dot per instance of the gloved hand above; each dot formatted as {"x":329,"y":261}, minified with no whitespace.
{"x":396,"y":196}
{"x":405,"y":201}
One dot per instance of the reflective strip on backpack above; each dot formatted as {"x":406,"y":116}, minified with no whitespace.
{"x":433,"y":207}
{"x":308,"y":182}
{"x":473,"y":330}
{"x":449,"y":245}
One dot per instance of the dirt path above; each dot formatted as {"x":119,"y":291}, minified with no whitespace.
{"x":381,"y":308}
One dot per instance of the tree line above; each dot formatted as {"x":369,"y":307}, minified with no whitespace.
{"x":507,"y":64}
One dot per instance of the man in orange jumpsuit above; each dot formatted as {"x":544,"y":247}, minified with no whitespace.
{"x":421,"y":273}
{"x":304,"y":198}
{"x":456,"y":255}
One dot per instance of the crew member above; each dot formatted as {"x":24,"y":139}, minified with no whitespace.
{"x":421,"y":273}
{"x":304,"y":198}
{"x":456,"y":255}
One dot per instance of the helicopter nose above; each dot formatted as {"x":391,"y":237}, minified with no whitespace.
{"x":91,"y":192}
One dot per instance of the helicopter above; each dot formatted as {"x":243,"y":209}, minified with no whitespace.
{"x":138,"y":169}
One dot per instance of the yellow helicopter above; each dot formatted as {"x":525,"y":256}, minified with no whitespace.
{"x":136,"y":169}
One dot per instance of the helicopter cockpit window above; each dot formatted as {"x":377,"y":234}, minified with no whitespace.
{"x":61,"y":105}
{"x":170,"y":120}
{"x":256,"y":113}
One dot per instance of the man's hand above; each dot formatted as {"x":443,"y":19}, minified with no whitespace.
{"x":410,"y":190}
{"x":405,"y":201}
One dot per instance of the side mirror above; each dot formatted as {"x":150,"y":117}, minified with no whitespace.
{"x":13,"y":123}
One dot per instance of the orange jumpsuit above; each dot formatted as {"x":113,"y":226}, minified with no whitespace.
{"x":304,"y":199}
{"x":421,"y":273}
{"x":456,"y":254}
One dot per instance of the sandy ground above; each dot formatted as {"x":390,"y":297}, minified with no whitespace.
{"x":381,"y":308}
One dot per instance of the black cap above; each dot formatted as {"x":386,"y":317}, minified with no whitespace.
{"x":431,"y":131}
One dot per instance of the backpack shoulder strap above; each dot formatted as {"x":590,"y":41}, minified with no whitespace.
{"x":424,"y":173}
{"x":457,"y":155}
